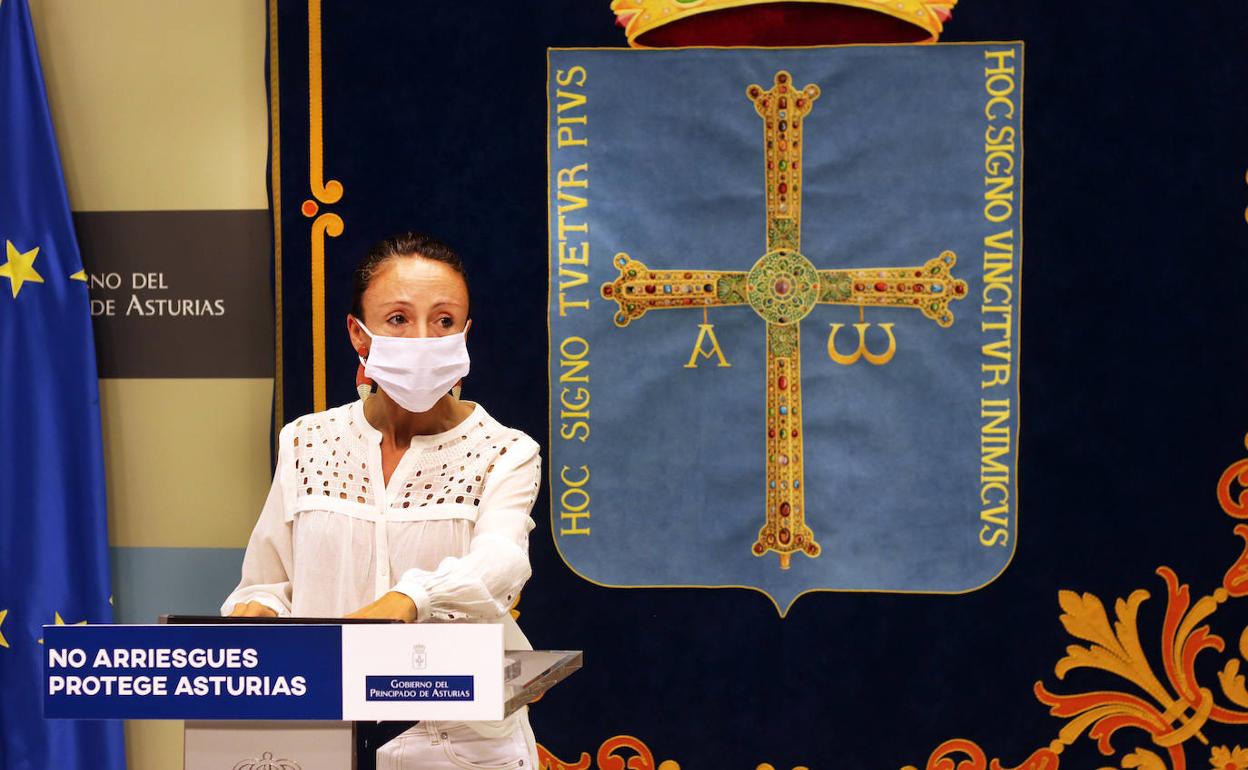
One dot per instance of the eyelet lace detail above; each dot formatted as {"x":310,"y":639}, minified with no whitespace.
{"x":331,"y":458}
{"x":331,"y":462}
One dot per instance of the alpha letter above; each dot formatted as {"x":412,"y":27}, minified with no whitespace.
{"x":705,"y":331}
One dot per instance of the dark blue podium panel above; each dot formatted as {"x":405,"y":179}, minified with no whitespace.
{"x":274,"y":672}
{"x":193,"y":672}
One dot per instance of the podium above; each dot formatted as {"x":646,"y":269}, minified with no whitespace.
{"x":287,"y":694}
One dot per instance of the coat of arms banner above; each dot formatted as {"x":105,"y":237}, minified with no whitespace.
{"x":784,"y":316}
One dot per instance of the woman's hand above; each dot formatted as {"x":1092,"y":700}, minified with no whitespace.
{"x":252,"y":610}
{"x":392,"y":606}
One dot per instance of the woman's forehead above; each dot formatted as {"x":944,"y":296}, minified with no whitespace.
{"x":416,"y":279}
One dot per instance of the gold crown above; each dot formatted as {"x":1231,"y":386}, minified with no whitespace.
{"x":638,"y":17}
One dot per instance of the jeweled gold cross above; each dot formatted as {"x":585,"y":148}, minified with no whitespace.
{"x":783,"y":287}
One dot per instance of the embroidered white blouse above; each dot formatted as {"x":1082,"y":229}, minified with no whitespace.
{"x":450,"y":530}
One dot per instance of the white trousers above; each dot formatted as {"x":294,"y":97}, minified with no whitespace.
{"x":457,"y":746}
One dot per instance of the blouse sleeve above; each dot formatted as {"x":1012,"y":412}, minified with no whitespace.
{"x":267,"y":563}
{"x":483,"y":583}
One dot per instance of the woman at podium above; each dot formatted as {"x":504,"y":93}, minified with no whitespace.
{"x":409,"y":504}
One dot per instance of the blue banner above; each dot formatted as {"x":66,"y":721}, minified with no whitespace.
{"x":53,"y":543}
{"x":798,"y":314}
{"x":194,"y":672}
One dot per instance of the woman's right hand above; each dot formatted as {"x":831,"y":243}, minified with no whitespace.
{"x":252,"y":610}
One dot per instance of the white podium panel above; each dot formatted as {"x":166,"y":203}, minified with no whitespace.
{"x":307,"y":745}
{"x":422,"y":672}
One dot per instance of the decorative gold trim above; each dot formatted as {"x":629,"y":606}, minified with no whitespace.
{"x":331,"y":225}
{"x":327,"y":192}
{"x":1170,"y":706}
{"x":614,"y":754}
{"x":324,"y":190}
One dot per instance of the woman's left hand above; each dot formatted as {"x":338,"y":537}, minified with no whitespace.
{"x":392,"y":606}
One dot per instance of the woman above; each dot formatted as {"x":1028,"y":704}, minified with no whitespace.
{"x":410,"y":504}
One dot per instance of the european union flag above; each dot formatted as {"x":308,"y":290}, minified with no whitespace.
{"x":53,"y":541}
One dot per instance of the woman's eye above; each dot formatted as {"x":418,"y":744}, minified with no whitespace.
{"x":446,"y":322}
{"x":396,"y":319}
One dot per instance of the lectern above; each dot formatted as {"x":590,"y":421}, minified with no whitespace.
{"x":292,"y":694}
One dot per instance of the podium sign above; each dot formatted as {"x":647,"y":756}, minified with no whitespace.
{"x":274,"y":672}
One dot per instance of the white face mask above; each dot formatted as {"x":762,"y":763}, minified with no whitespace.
{"x":416,"y":371}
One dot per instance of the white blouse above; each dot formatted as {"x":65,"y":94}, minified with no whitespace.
{"x":450,"y":530}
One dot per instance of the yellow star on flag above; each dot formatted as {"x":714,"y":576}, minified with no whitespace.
{"x":20,"y":267}
{"x":59,"y":621}
{"x":3,"y":642}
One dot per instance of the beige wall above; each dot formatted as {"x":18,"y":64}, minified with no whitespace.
{"x":187,"y":460}
{"x":160,"y":105}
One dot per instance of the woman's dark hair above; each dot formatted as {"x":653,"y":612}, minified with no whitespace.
{"x":408,"y":244}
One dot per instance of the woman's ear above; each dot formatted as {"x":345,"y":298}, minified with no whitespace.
{"x":359,"y":340}
{"x":467,"y":326}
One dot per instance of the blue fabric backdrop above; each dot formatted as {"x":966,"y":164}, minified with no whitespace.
{"x":1132,"y":380}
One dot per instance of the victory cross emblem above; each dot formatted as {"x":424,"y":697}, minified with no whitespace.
{"x":783,"y":287}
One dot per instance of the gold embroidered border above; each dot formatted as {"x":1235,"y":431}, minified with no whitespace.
{"x":617,"y":753}
{"x":326,"y":191}
{"x":1166,"y":704}
{"x":324,"y":224}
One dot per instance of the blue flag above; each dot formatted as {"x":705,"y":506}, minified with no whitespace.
{"x":53,"y":540}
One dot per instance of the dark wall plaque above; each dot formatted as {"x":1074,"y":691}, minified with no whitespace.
{"x":180,"y":293}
